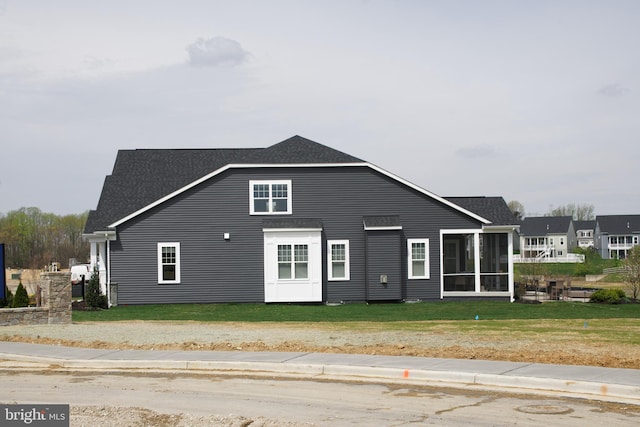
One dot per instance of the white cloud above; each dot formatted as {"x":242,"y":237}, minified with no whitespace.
{"x":613,"y":90}
{"x":216,"y":51}
{"x":475,"y":151}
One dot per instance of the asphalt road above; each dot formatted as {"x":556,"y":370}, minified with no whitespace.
{"x":265,"y":401}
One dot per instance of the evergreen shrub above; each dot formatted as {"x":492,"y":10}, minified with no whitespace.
{"x":608,"y":296}
{"x":21,"y":298}
{"x":93,"y":296}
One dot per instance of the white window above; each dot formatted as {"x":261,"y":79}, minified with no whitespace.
{"x":418,"y":258}
{"x":293,"y":262}
{"x":168,"y":263}
{"x":338,"y":259}
{"x":270,"y":197}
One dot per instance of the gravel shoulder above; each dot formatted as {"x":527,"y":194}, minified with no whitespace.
{"x":563,"y":347}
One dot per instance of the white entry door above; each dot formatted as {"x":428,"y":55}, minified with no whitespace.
{"x":292,"y":266}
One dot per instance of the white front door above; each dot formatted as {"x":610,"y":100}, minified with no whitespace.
{"x":292,"y":266}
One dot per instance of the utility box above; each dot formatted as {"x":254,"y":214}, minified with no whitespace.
{"x":113,"y":294}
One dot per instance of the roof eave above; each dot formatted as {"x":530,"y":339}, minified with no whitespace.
{"x":509,"y":228}
{"x":100,"y":235}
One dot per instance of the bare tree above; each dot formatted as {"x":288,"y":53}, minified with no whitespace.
{"x":579,"y":212}
{"x":532,"y":275}
{"x":517,"y":209}
{"x":632,"y":273}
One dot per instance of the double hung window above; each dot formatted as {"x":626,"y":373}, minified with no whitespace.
{"x":270,"y":197}
{"x":418,"y":262}
{"x":338,"y":259}
{"x":293,"y":262}
{"x":168,"y":263}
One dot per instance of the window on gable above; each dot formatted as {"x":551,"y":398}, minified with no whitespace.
{"x":270,"y":197}
{"x":168,"y":263}
{"x":418,"y":258}
{"x":338,"y":259}
{"x":293,"y":262}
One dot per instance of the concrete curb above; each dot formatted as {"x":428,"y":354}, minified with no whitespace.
{"x":506,"y":383}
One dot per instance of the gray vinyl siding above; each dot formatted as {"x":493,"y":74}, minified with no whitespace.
{"x":384,"y":257}
{"x":215,"y":270}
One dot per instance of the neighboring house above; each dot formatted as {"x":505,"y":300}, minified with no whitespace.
{"x":585,"y":231}
{"x":294,"y":222}
{"x":615,"y":235}
{"x":546,"y":237}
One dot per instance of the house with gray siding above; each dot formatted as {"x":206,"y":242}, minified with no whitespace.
{"x":616,"y":235}
{"x":291,"y":223}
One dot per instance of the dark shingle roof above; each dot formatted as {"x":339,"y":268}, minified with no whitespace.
{"x":495,"y":209}
{"x":543,"y":225}
{"x":619,"y":224}
{"x":299,"y":150}
{"x":387,"y":221}
{"x":584,"y":225}
{"x":142,"y":177}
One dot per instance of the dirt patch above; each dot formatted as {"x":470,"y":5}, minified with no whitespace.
{"x":564,"y":344}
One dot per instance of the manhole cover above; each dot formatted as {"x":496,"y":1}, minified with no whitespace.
{"x":545,"y":409}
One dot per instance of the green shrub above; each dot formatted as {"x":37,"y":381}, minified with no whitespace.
{"x":93,"y":296}
{"x":608,"y":296}
{"x":21,"y":298}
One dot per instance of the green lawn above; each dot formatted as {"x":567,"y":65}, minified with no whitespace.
{"x":485,"y":310}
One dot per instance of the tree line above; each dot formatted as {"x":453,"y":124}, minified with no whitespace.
{"x":579,"y":212}
{"x":34,"y":239}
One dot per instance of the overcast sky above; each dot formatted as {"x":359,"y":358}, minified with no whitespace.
{"x":535,"y":101}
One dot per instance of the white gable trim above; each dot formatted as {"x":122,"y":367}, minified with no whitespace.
{"x":298,"y":165}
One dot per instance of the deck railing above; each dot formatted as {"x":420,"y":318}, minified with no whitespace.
{"x":569,"y":258}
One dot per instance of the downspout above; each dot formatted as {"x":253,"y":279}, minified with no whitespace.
{"x":108,"y":254}
{"x":476,"y":261}
{"x":366,"y":266}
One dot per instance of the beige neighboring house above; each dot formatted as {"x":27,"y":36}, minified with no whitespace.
{"x":585,"y":231}
{"x":28,"y":277}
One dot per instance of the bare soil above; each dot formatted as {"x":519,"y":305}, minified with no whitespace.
{"x":550,"y":342}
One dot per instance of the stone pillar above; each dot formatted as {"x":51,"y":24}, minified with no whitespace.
{"x":57,"y":287}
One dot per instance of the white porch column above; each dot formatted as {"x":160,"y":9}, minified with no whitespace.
{"x":102,"y":266}
{"x":476,"y":260}
{"x":93,"y":260}
{"x":510,"y":260}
